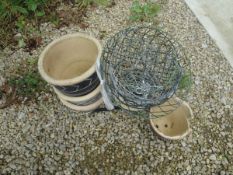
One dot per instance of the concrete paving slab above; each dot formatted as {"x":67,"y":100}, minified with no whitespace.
{"x":217,"y":17}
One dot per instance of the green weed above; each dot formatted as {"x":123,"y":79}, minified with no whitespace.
{"x":20,"y":16}
{"x":85,"y":3}
{"x":27,"y":85}
{"x":16,"y":8}
{"x":186,"y":81}
{"x":27,"y":82}
{"x":143,"y":12}
{"x":25,"y":16}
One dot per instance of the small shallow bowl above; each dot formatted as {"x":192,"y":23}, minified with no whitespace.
{"x":68,"y":63}
{"x":175,"y":125}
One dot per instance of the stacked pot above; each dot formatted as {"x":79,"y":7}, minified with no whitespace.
{"x":69,"y":65}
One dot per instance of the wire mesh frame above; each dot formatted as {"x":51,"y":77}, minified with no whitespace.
{"x":135,"y":61}
{"x":183,"y":93}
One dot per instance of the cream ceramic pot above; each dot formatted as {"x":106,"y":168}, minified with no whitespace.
{"x":68,"y":63}
{"x":175,"y":125}
{"x":88,"y":99}
{"x":85,"y":108}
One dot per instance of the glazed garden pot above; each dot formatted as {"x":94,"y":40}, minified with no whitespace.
{"x":88,"y":99}
{"x":85,"y":108}
{"x":175,"y":125}
{"x":69,"y":62}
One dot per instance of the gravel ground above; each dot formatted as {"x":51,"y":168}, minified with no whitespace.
{"x":48,"y":138}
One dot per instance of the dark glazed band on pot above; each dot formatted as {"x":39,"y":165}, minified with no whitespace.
{"x":82,"y":88}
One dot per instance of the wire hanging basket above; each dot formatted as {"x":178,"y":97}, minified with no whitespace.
{"x":142,"y":67}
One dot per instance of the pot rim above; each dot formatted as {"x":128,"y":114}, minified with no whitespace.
{"x":92,"y":94}
{"x":70,"y":81}
{"x":177,"y":137}
{"x":87,"y":108}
